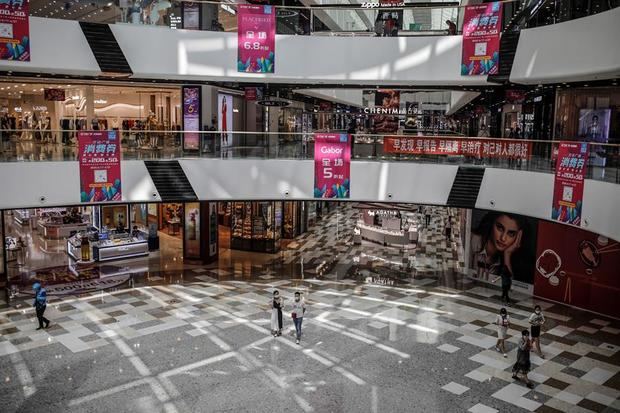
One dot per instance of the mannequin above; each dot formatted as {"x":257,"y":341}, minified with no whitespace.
{"x":134,"y":12}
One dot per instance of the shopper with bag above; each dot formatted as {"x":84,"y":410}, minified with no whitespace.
{"x":297,"y":312}
{"x":40,"y":304}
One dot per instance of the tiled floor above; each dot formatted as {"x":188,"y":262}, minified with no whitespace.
{"x":204,"y":345}
{"x":381,"y":334}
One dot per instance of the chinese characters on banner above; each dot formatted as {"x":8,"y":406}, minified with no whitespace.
{"x":100,"y":166}
{"x":191,"y":117}
{"x":568,"y":187}
{"x":14,"y":30}
{"x":479,"y":148}
{"x":481,"y":31}
{"x":332,"y":164}
{"x":256,"y":38}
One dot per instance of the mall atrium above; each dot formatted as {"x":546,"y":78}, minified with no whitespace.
{"x":309,"y":206}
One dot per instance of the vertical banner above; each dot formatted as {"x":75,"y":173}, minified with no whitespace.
{"x":568,"y":187}
{"x":100,"y":166}
{"x":191,"y":248}
{"x":225,"y":119}
{"x":191,"y":117}
{"x":332,"y":164}
{"x":191,"y":15}
{"x":256,"y":38}
{"x":14,"y":30}
{"x":482,"y":26}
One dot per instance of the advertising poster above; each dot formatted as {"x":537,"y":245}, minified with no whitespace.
{"x":570,"y":170}
{"x":192,"y":230}
{"x":390,"y":100}
{"x":256,"y":38}
{"x":54,"y":95}
{"x":477,"y":148}
{"x":225,"y":119}
{"x":482,"y":26}
{"x":191,"y":15}
{"x":15,"y":30}
{"x":502,"y":239}
{"x":594,"y":127}
{"x":250,"y":94}
{"x":191,"y":117}
{"x":332,"y":164}
{"x":100,"y":166}
{"x":213,"y":229}
{"x":578,"y":268}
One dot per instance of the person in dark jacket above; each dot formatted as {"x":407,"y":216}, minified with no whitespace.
{"x":40,"y":303}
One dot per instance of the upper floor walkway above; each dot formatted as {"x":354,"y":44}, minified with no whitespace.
{"x":575,"y":50}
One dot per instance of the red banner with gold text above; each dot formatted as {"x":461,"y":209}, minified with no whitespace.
{"x":480,"y":148}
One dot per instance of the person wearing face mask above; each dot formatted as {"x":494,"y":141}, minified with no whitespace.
{"x":297,"y":313}
{"x":537,"y":319}
{"x":276,"y":314}
{"x":503,"y":322}
{"x":522,"y":366}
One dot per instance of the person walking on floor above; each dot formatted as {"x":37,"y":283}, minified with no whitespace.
{"x":40,"y":303}
{"x":276,"y":314}
{"x":522,"y":366}
{"x":537,"y":319}
{"x":506,"y":278}
{"x":448,"y":228}
{"x":297,"y":313}
{"x":427,"y":216}
{"x":503,"y":322}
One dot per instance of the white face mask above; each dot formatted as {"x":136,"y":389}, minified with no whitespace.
{"x":537,"y":311}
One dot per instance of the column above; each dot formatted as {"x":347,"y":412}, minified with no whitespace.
{"x":89,"y":95}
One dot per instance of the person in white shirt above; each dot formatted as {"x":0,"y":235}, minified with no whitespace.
{"x":537,"y":319}
{"x":503,"y":322}
{"x":297,"y":312}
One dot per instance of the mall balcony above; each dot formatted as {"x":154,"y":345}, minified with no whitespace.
{"x":160,"y":269}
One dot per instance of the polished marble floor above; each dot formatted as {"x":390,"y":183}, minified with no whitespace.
{"x":386,"y":331}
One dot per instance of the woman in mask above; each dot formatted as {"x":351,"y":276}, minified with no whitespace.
{"x":522,"y":366}
{"x":276,"y":314}
{"x":503,"y":322}
{"x":537,"y":319}
{"x":297,"y":313}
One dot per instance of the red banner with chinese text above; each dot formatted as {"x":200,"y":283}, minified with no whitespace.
{"x":479,"y":148}
{"x":568,"y":187}
{"x":482,"y":26}
{"x":100,"y":166}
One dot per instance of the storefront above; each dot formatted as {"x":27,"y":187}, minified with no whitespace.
{"x":49,"y":113}
{"x":73,"y":242}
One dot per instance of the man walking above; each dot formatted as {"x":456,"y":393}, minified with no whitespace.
{"x":40,"y":303}
{"x":298,"y":310}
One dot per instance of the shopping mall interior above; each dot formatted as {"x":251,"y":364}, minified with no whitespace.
{"x":314,"y":206}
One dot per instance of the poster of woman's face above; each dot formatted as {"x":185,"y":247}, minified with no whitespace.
{"x":502,"y":242}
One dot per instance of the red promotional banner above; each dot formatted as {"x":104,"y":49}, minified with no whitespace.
{"x":481,"y":30}
{"x":332,"y":164}
{"x":568,"y":188}
{"x":54,"y":95}
{"x":578,"y":268}
{"x":100,"y":166}
{"x":256,"y":38}
{"x":250,"y":93}
{"x":14,"y":30}
{"x":479,"y":148}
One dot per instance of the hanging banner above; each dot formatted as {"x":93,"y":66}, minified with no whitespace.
{"x":332,"y":165}
{"x":387,"y":102}
{"x":14,"y":30}
{"x":191,"y":117}
{"x":54,"y":95}
{"x":482,"y":26}
{"x":570,"y":170}
{"x":225,"y":119}
{"x":256,"y":38}
{"x":100,"y":166}
{"x":478,"y":148}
